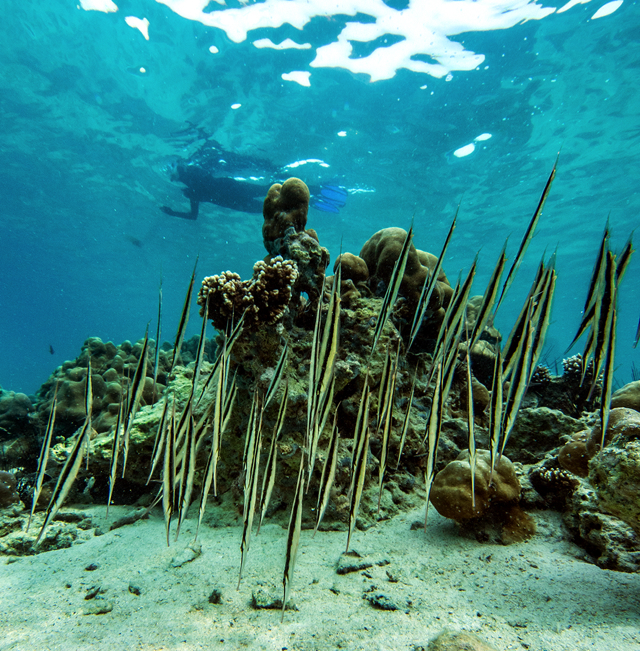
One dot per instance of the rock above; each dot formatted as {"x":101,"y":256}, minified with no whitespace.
{"x":627,"y":396}
{"x":188,"y":554}
{"x":98,"y":607}
{"x":266,"y":598}
{"x":538,"y":430}
{"x":450,"y":641}
{"x":615,"y":475}
{"x":381,"y":601}
{"x":612,"y":543}
{"x":352,"y":562}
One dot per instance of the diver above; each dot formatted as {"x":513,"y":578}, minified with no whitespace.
{"x":214,"y":175}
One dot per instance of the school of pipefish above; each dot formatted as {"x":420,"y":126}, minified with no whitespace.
{"x":180,"y":436}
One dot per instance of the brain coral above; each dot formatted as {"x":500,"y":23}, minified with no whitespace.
{"x":380,"y":253}
{"x":286,"y":206}
{"x":451,"y":490}
{"x":263,"y":299}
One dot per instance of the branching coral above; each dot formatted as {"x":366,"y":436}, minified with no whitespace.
{"x":263,"y":299}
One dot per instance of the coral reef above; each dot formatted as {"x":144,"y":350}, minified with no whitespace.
{"x":8,"y":493}
{"x":263,"y":300}
{"x":627,"y":396}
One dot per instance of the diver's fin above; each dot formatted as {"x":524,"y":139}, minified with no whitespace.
{"x":174,"y":213}
{"x":330,"y":198}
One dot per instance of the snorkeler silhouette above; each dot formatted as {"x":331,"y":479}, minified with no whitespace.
{"x":214,"y":175}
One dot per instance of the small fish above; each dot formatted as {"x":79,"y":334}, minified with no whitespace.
{"x":135,"y":396}
{"x":88,"y":406}
{"x":458,"y":307}
{"x":269,"y":478}
{"x":359,"y":466}
{"x":328,"y":472}
{"x":200,"y":352}
{"x":607,"y":380}
{"x":277,"y":375}
{"x":156,"y":358}
{"x":313,"y":370}
{"x":527,"y":236}
{"x":434,"y":425}
{"x":387,"y":417}
{"x":589,"y":309}
{"x":429,"y":285}
{"x":405,"y":423}
{"x":542,"y":319}
{"x":115,"y":452}
{"x":293,"y":537}
{"x":489,"y":298}
{"x":169,"y":472}
{"x":637,"y":337}
{"x":519,"y":380}
{"x":43,"y":459}
{"x":67,"y":476}
{"x":397,"y":276}
{"x":511,"y":347}
{"x":624,"y":259}
{"x":159,"y":440}
{"x":471,"y":431}
{"x":184,"y":319}
{"x":189,"y":465}
{"x":51,"y":351}
{"x":602,"y":319}
{"x":495,"y":412}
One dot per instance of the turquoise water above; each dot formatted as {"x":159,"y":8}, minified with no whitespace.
{"x":415,"y":106}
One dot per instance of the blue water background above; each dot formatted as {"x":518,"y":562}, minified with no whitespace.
{"x":86,"y":136}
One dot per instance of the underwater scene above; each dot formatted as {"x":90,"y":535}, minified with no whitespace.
{"x":319,"y":325}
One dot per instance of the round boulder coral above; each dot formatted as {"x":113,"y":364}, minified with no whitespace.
{"x":286,"y":206}
{"x":451,"y":490}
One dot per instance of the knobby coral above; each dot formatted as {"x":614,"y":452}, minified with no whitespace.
{"x":263,"y":299}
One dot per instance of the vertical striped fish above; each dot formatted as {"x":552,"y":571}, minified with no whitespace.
{"x":328,"y":473}
{"x":159,"y":440}
{"x":607,"y":380}
{"x":471,"y":430}
{"x":66,"y":477}
{"x":527,"y":236}
{"x":489,"y":298}
{"x":495,"y":412}
{"x":542,"y":319}
{"x":115,"y":452}
{"x":387,"y":417}
{"x":602,"y":321}
{"x":137,"y":388}
{"x":359,"y":466}
{"x":518,"y":383}
{"x":156,"y":358}
{"x":393,"y":287}
{"x":251,"y":491}
{"x":293,"y":537}
{"x":269,"y":478}
{"x":589,"y":309}
{"x":406,"y":421}
{"x":184,"y":319}
{"x":189,"y":466}
{"x":434,"y":425}
{"x":624,"y":259}
{"x":277,"y":375}
{"x":43,"y":459}
{"x":169,"y":472}
{"x":429,"y":285}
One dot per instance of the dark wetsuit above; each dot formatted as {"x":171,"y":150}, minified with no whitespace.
{"x":226,"y":179}
{"x":239,"y":182}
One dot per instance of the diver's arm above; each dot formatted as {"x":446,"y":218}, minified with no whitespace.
{"x":193,"y":215}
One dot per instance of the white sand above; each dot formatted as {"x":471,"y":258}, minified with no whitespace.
{"x":536,"y":595}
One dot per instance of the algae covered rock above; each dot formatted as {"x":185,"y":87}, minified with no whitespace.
{"x":627,"y":396}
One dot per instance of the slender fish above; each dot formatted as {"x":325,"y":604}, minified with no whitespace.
{"x":527,"y":236}
{"x":328,"y":473}
{"x":397,"y":275}
{"x":184,"y":319}
{"x":293,"y":536}
{"x":429,"y":285}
